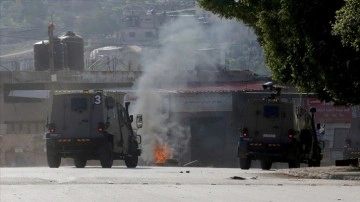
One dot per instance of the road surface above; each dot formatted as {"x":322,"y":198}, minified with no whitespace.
{"x":167,"y":184}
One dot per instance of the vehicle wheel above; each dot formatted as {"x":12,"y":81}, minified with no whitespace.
{"x":266,"y":164}
{"x":294,"y":163}
{"x":53,"y":158}
{"x":131,"y":161}
{"x":245,"y":163}
{"x":314,"y":163}
{"x":106,"y":156}
{"x":79,"y":162}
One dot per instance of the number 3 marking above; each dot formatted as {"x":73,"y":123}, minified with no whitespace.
{"x":97,"y":99}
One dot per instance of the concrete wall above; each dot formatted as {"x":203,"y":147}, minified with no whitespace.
{"x":22,"y":150}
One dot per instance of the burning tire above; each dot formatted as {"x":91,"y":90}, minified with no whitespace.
{"x":131,"y":161}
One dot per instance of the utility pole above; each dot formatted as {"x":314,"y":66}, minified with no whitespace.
{"x":51,"y":28}
{"x":52,"y":73}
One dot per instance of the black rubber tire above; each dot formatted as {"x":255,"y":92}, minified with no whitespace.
{"x":266,"y":164}
{"x":294,"y":163}
{"x":245,"y":163}
{"x":314,"y":163}
{"x":53,"y":158}
{"x":80,"y":162}
{"x":106,"y":156}
{"x":131,"y":161}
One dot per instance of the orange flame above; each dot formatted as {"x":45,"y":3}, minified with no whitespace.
{"x":161,"y":152}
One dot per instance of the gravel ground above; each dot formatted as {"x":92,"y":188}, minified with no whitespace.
{"x":330,"y":172}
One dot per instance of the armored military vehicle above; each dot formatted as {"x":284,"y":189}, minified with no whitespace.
{"x":278,"y":131}
{"x":90,"y":125}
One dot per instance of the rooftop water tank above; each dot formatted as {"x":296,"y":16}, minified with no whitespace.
{"x":75,"y":50}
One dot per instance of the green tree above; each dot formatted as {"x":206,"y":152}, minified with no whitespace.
{"x":347,"y":24}
{"x":300,"y":44}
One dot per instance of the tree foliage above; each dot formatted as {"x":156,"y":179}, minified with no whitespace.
{"x":347,"y":24}
{"x":307,"y":43}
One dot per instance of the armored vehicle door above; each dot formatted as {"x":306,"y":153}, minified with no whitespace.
{"x":77,"y":115}
{"x":268,"y":122}
{"x":122,"y":131}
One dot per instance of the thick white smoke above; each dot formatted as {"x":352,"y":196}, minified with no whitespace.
{"x":179,"y":42}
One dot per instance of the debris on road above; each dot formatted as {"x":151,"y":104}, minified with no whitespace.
{"x":188,"y":171}
{"x":190,"y":163}
{"x":238,"y":178}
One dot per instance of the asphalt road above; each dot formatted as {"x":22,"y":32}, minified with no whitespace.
{"x":168,"y":184}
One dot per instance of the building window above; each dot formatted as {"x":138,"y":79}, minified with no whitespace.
{"x":132,"y":21}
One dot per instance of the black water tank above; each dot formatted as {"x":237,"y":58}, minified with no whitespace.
{"x":75,"y":50}
{"x":42,"y":55}
{"x":60,"y":54}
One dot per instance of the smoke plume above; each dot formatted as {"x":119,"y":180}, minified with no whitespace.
{"x":162,"y":68}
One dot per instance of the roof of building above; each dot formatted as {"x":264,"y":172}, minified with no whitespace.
{"x":219,"y":87}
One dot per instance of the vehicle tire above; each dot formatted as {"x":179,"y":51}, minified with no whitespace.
{"x":314,"y":163}
{"x":79,"y":162}
{"x":266,"y":164}
{"x":306,"y":140}
{"x":244,"y":163}
{"x":106,"y":155}
{"x":53,"y":158}
{"x":294,"y":163}
{"x":131,"y":161}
